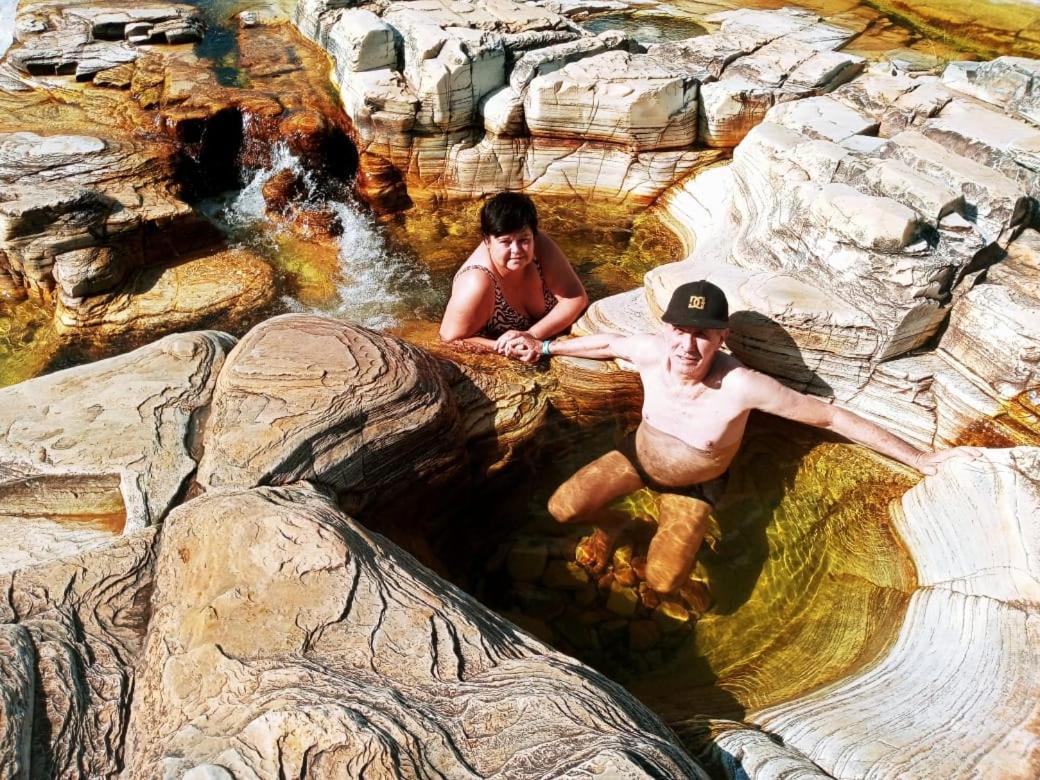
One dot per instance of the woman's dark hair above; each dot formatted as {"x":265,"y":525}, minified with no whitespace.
{"x":507,"y":212}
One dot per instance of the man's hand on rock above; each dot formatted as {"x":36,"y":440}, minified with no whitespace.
{"x":928,"y":462}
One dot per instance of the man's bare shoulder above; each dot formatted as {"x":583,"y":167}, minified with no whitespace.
{"x":644,"y":348}
{"x":738,"y":378}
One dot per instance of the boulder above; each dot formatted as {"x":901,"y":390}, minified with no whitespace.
{"x":310,"y":397}
{"x":75,"y":206}
{"x":615,"y":97}
{"x":231,"y":288}
{"x":70,"y":635}
{"x":127,"y":425}
{"x":328,"y":651}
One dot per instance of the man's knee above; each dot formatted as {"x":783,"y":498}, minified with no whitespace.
{"x":666,"y":576}
{"x":562,"y":505}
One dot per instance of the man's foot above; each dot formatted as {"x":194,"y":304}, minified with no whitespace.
{"x":593,"y":552}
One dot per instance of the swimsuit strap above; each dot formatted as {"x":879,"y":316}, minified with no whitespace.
{"x":503,"y":316}
{"x":547,"y":295}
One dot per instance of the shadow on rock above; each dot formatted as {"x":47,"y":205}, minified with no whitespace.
{"x":763,"y":344}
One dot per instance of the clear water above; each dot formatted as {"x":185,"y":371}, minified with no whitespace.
{"x":646,"y":27}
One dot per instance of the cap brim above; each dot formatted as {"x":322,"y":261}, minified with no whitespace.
{"x":705,"y":323}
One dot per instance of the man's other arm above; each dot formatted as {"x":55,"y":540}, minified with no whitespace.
{"x":765,"y":393}
{"x":603,"y":346}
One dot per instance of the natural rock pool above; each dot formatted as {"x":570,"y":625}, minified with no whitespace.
{"x":870,"y":225}
{"x":801,"y":580}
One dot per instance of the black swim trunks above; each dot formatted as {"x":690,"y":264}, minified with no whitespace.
{"x":709,"y":492}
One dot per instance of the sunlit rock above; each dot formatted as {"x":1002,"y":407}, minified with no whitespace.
{"x":232,"y":286}
{"x":1007,"y":82}
{"x":967,"y":643}
{"x":360,"y":40}
{"x":127,"y":425}
{"x":328,"y":648}
{"x":536,"y":84}
{"x":615,"y":97}
{"x":70,"y":635}
{"x":75,"y":208}
{"x":309,"y":397}
{"x":17,"y":692}
{"x":84,"y":40}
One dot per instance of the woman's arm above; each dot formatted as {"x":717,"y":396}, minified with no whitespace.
{"x":563,"y":282}
{"x":468,"y":310}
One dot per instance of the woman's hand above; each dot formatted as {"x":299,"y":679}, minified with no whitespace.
{"x":507,"y":338}
{"x":519,"y":345}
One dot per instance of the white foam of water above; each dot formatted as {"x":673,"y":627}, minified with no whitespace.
{"x":378,"y":284}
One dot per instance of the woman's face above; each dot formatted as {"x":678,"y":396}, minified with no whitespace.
{"x":511,"y":251}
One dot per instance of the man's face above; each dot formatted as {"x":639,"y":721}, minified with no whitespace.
{"x":511,"y":251}
{"x":692,"y":350}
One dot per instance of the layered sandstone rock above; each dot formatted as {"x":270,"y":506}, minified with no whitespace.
{"x":875,"y":241}
{"x":85,"y":39}
{"x":227,"y":288}
{"x":70,"y":635}
{"x":95,"y":207}
{"x":128,"y":443}
{"x":75,"y":206}
{"x":973,"y":532}
{"x":308,"y":397}
{"x":327,"y":651}
{"x":513,"y":96}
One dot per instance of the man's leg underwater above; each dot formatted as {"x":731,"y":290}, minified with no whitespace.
{"x":681,"y":525}
{"x":584,"y":497}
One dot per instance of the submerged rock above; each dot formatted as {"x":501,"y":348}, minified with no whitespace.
{"x":961,"y":676}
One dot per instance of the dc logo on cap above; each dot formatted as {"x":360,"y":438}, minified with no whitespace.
{"x":696,"y":302}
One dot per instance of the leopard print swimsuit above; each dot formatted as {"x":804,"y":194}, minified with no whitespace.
{"x":504,"y":317}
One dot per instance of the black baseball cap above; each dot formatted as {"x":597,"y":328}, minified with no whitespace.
{"x":698,"y":304}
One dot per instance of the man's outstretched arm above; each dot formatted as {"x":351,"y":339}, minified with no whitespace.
{"x":765,"y":393}
{"x":598,"y":346}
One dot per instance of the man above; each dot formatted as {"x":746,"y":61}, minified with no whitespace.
{"x":695,"y":408}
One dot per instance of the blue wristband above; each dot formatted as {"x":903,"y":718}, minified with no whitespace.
{"x":545,"y":348}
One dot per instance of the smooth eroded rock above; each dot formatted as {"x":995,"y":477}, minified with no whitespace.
{"x":328,"y":652}
{"x":311,"y":397}
{"x":129,"y":420}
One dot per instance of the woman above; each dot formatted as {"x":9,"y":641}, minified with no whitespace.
{"x":516,"y":283}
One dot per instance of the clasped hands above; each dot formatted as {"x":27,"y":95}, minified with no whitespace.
{"x":519,"y":345}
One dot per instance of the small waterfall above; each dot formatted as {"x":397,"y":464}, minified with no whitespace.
{"x":378,"y":286}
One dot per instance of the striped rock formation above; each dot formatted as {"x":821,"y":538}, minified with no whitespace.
{"x":507,"y":95}
{"x":955,"y":695}
{"x":899,"y":214}
{"x":327,"y":652}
